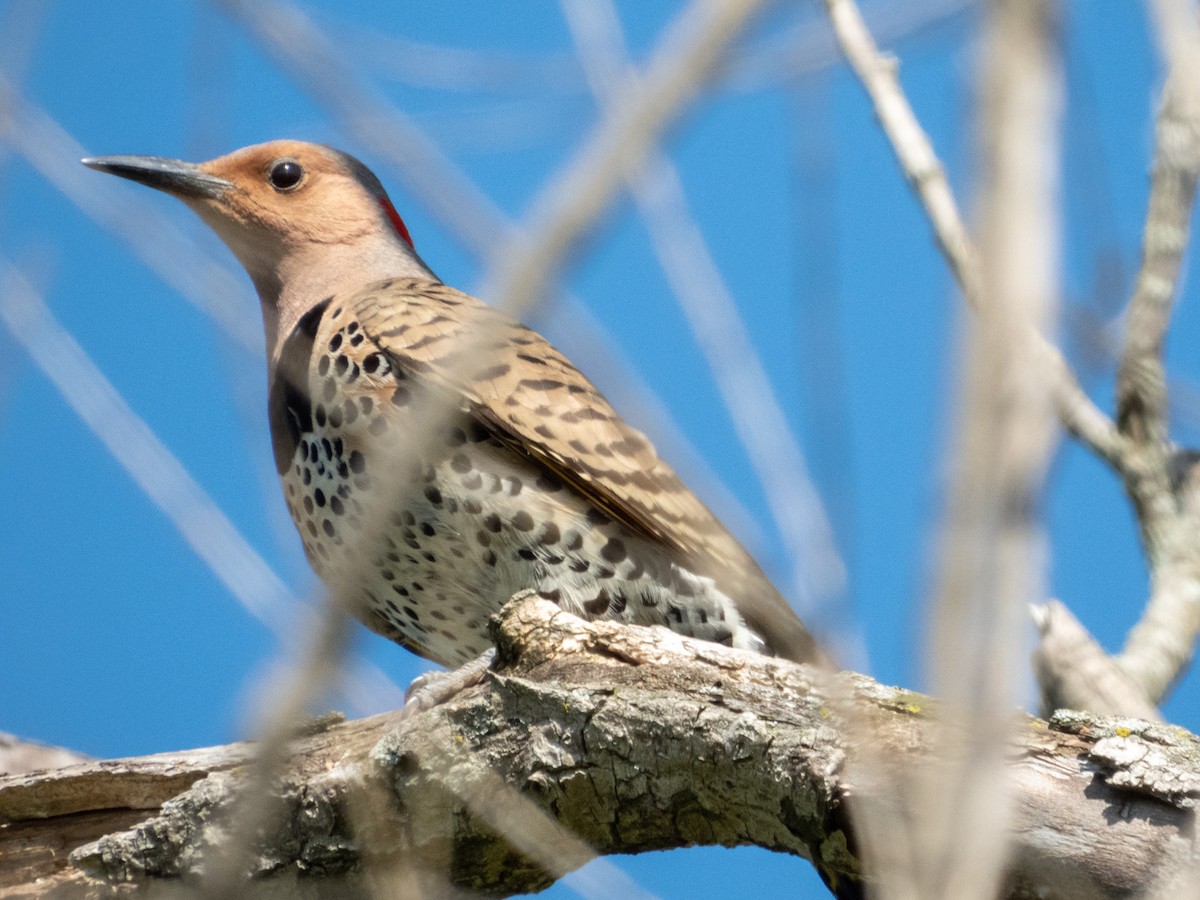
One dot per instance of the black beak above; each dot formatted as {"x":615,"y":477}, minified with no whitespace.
{"x":182,"y":179}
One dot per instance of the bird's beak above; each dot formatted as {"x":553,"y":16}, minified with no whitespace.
{"x":182,"y":179}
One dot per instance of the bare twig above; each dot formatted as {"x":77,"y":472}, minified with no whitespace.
{"x":1141,"y":380}
{"x":925,"y":173}
{"x":1159,"y":479}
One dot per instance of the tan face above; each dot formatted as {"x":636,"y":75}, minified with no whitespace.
{"x":288,"y":192}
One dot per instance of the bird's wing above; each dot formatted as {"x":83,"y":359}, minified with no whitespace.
{"x":519,"y":386}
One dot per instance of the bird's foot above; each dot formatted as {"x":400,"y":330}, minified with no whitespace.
{"x":434,"y":688}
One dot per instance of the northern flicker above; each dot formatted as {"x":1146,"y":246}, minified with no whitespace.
{"x":437,"y":457}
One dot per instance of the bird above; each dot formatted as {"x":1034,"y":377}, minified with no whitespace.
{"x":438,"y":457}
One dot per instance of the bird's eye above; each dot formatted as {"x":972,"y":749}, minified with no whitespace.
{"x":285,"y":174}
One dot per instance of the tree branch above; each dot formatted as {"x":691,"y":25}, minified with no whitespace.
{"x":1137,"y":446}
{"x":633,"y":739}
{"x":1159,"y":478}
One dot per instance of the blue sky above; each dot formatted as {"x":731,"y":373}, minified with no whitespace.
{"x":116,"y":639}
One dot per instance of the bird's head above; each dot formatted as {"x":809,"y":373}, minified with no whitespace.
{"x":305,"y":220}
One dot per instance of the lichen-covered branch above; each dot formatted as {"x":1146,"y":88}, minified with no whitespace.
{"x":595,"y":738}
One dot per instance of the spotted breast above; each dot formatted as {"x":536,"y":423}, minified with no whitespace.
{"x":429,"y":487}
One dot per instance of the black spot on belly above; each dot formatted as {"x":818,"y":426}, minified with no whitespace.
{"x":548,"y":484}
{"x":598,"y":606}
{"x":613,"y":551}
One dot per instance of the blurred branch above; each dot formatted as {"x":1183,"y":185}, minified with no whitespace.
{"x":165,"y":249}
{"x":163,"y":479}
{"x":567,"y":208}
{"x":807,"y":47}
{"x":713,"y":316}
{"x":728,"y":748}
{"x":798,"y":50}
{"x":17,"y":757}
{"x":459,"y":68}
{"x":990,"y":553}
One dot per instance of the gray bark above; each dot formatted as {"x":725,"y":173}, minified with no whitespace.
{"x":593,"y":739}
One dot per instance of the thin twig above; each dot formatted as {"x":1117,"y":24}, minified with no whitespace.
{"x":924,"y":171}
{"x":1141,"y":379}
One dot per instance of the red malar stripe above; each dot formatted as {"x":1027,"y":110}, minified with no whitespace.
{"x":397,"y":222}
